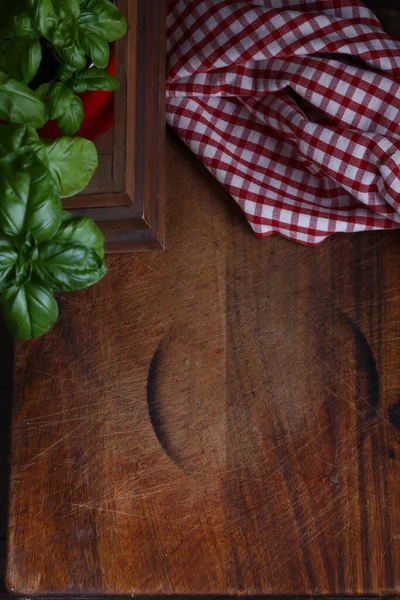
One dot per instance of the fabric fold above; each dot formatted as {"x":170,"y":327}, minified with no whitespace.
{"x":294,"y":106}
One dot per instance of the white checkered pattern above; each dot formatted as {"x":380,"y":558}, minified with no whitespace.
{"x":294,"y":106}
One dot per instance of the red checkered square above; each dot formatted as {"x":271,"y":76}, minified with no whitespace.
{"x":294,"y":106}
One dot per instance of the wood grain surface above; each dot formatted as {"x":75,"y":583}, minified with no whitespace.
{"x":223,"y":418}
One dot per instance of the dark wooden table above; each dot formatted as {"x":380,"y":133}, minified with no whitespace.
{"x":223,"y":418}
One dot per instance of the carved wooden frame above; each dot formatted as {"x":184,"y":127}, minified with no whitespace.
{"x":126,"y":195}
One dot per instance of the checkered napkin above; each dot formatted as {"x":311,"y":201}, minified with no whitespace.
{"x":294,"y":106}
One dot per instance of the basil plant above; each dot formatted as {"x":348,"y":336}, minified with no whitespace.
{"x":50,"y":50}
{"x":59,"y":48}
{"x":43,"y":249}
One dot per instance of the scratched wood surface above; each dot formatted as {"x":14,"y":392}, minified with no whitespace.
{"x":220,"y":419}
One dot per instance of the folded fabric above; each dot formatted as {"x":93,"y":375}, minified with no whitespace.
{"x":294,"y":106}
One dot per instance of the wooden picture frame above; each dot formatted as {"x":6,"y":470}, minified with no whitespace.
{"x":126,"y":195}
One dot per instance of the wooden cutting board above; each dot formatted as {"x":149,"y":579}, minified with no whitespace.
{"x":222,"y":418}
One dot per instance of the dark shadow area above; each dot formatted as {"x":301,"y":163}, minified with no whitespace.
{"x":374,"y":4}
{"x":6,"y":374}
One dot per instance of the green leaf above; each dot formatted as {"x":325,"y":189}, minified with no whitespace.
{"x":70,"y":6}
{"x":46,"y":15}
{"x":88,"y":19}
{"x":8,"y":259}
{"x":64,"y":33}
{"x":19,"y":141}
{"x":29,"y":310}
{"x":67,"y":266}
{"x":29,"y":250}
{"x":17,"y":265}
{"x":42,"y":90}
{"x":72,"y":162}
{"x":82,"y":230}
{"x":112,"y":23}
{"x":74,"y":56}
{"x":59,"y":98}
{"x":19,"y":104}
{"x":22,"y":25}
{"x":27,"y":254}
{"x":70,"y":121}
{"x":96,"y":48}
{"x":65,"y":72}
{"x":94,"y":79}
{"x":42,"y":14}
{"x":18,"y":137}
{"x":23,"y":56}
{"x":29,"y":199}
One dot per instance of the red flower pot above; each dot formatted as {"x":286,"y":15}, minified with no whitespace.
{"x":98,"y":107}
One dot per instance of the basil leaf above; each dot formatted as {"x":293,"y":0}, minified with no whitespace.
{"x":63,"y":34}
{"x":82,"y":230}
{"x":22,"y":273}
{"x":112,"y":23}
{"x":70,"y":6}
{"x":46,"y":15}
{"x":18,"y":137}
{"x":18,"y":140}
{"x":19,"y":104}
{"x":21,"y":270}
{"x":59,"y":98}
{"x":88,"y":19}
{"x":21,"y":25}
{"x":29,"y":199}
{"x":97,"y":48}
{"x":29,"y":250}
{"x":29,"y":310}
{"x":72,"y":162}
{"x":8,"y":259}
{"x":68,"y":266}
{"x":70,"y":121}
{"x":94,"y":79}
{"x":23,"y":56}
{"x":65,"y":72}
{"x":42,"y":90}
{"x":42,"y":14}
{"x":74,"y":56}
{"x":26,"y":256}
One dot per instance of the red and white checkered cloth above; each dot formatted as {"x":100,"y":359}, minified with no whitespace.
{"x":294,"y":106}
